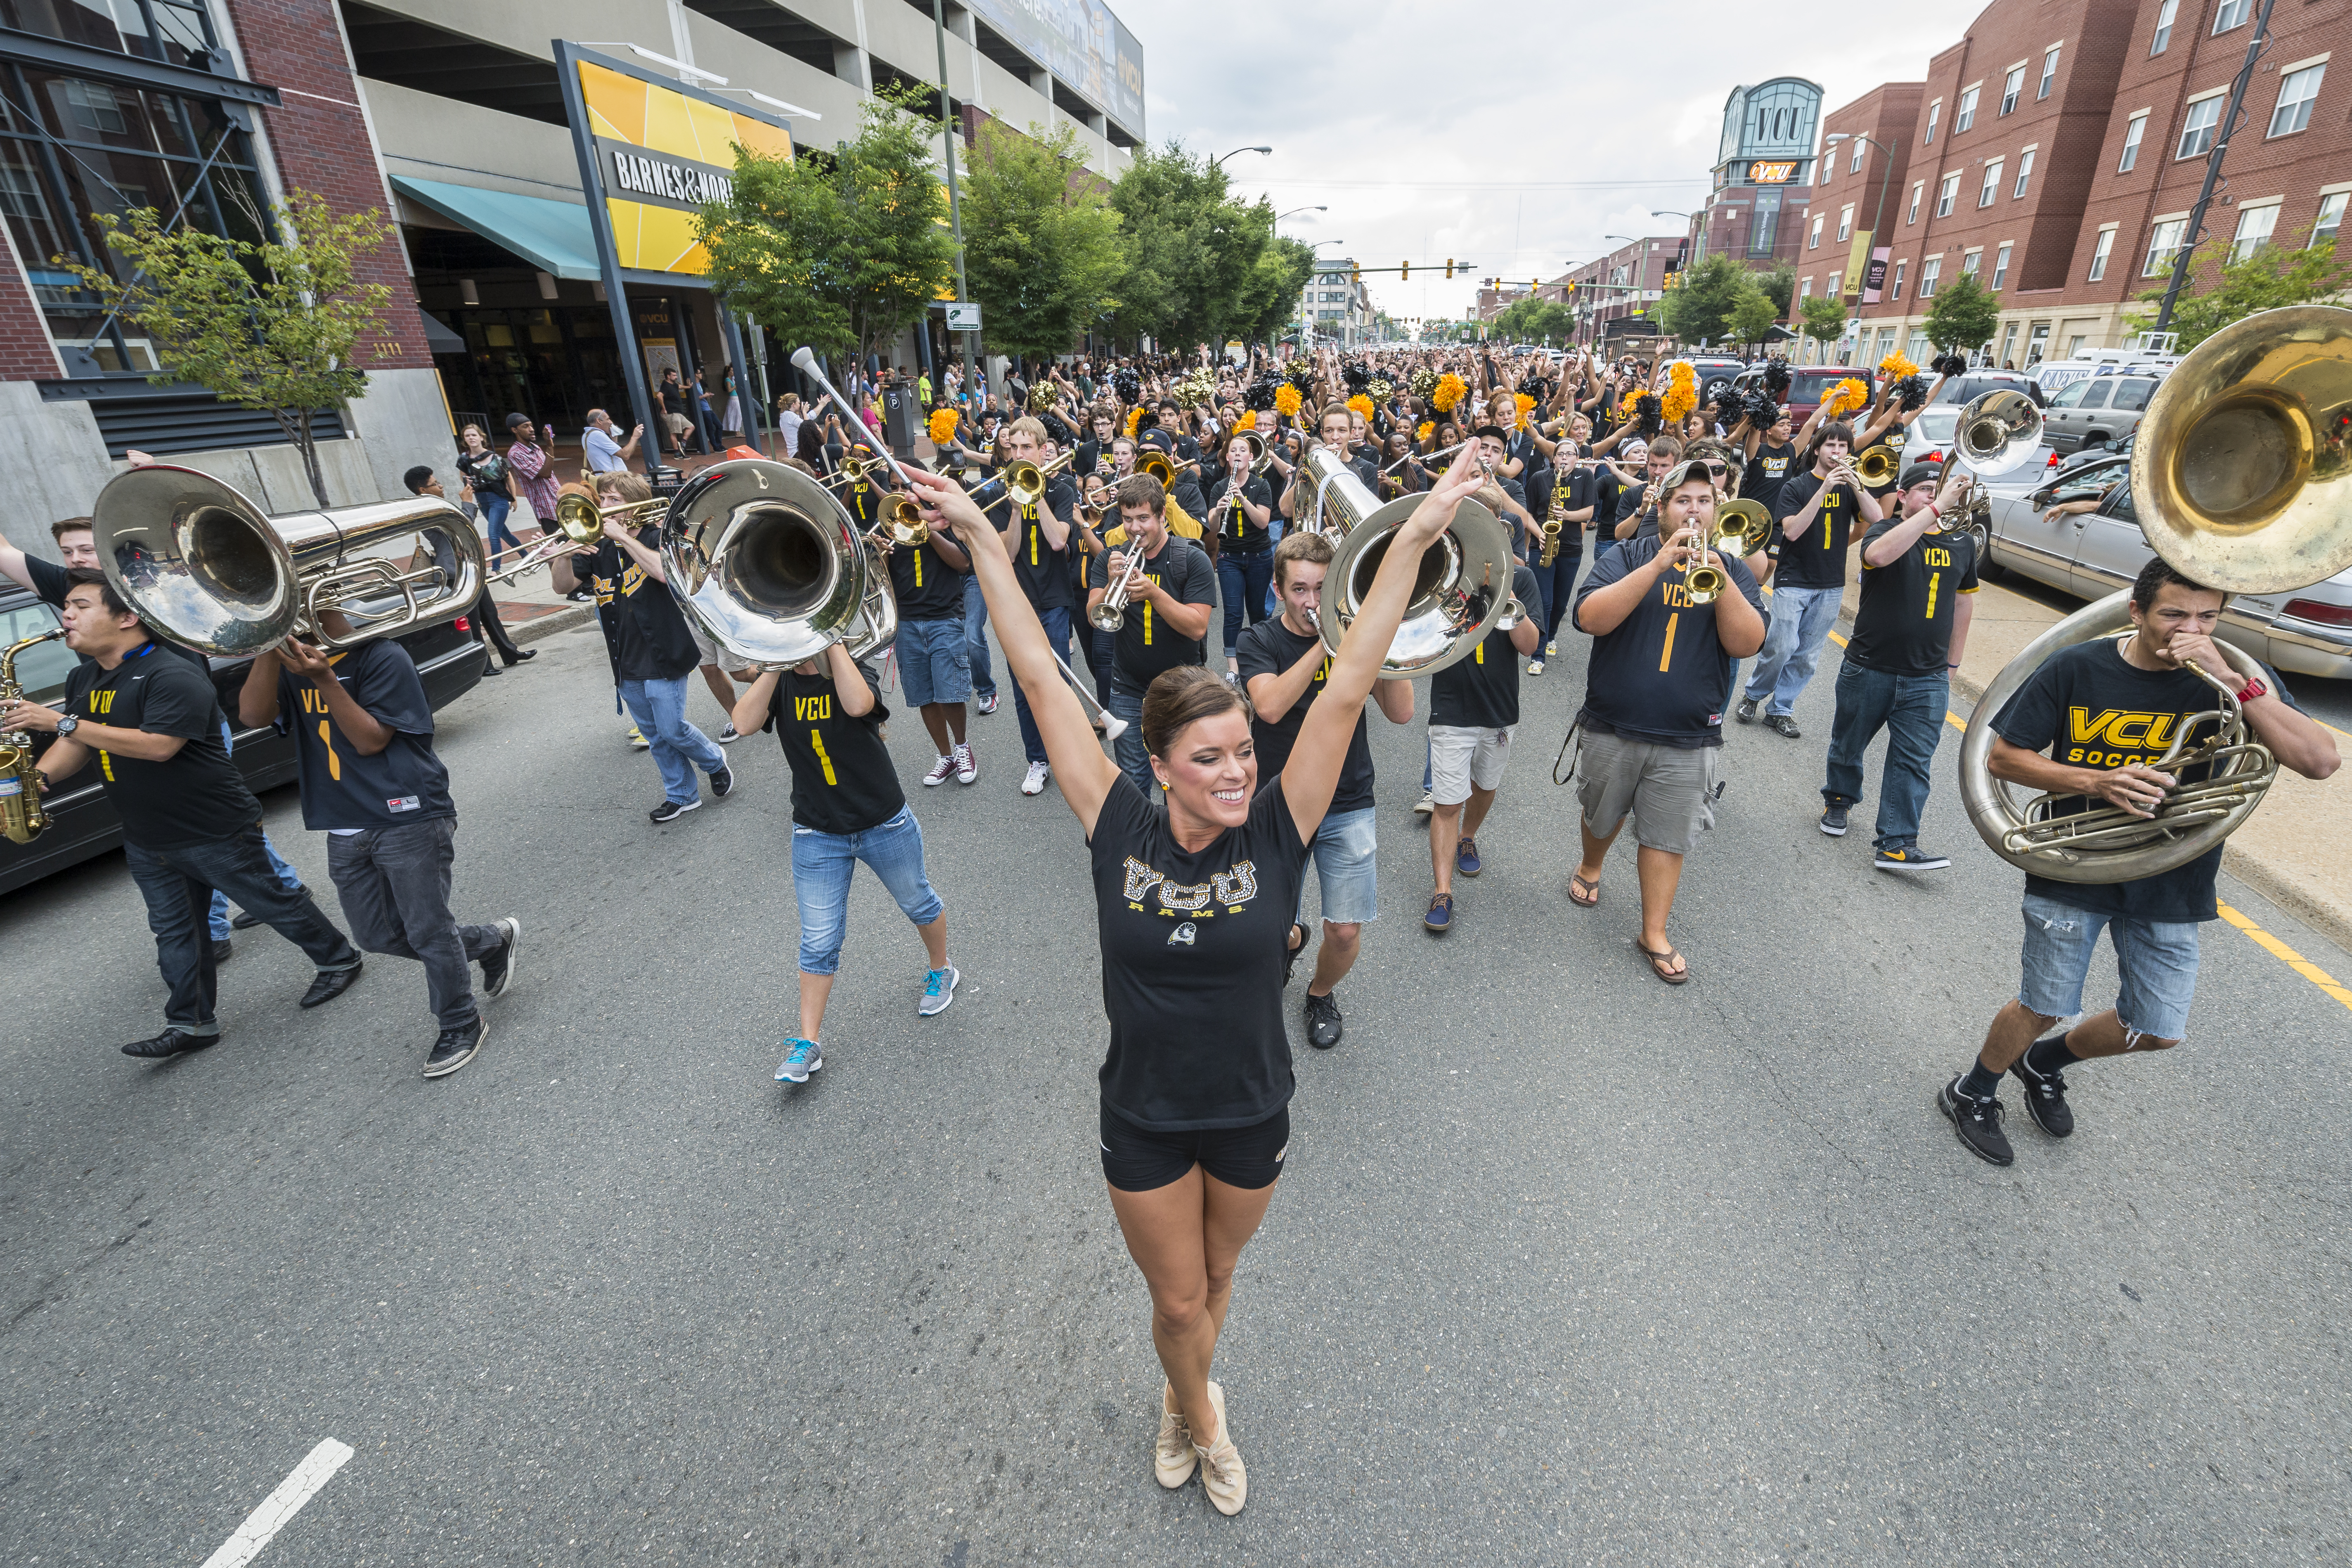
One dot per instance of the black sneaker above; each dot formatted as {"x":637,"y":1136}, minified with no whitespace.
{"x":1834,"y":821}
{"x":1910,"y":858}
{"x":330,"y":983}
{"x":1782,"y":724}
{"x":722,"y":782}
{"x":455,"y":1047}
{"x":221,"y":950}
{"x":1322,"y":1021}
{"x":2045,"y":1097}
{"x":727,"y":735}
{"x":1977,"y":1121}
{"x":170,"y":1043}
{"x":499,"y":964}
{"x":671,"y":810}
{"x":1746,"y":711}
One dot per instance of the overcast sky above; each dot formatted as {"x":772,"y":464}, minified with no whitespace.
{"x":1498,"y":132}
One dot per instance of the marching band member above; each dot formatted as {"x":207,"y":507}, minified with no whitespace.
{"x":1192,"y":880}
{"x":1817,"y":511}
{"x":847,"y":807}
{"x":2134,"y":693}
{"x":1039,"y":539}
{"x":1918,"y":586}
{"x":362,"y":732}
{"x":1474,"y":707}
{"x":1166,"y":609}
{"x":934,"y":661}
{"x":1244,"y":553}
{"x":1285,"y":669}
{"x":1655,"y":690}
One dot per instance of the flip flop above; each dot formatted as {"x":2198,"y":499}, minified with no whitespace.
{"x":1658,"y":962}
{"x":1574,"y":882}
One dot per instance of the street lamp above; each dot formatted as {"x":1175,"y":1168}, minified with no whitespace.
{"x":1279,"y":216}
{"x":1239,"y":151}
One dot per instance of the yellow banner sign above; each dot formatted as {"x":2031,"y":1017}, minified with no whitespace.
{"x":669,"y":154}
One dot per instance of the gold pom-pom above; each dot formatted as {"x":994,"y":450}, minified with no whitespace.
{"x":1850,"y":393}
{"x":943,"y":426}
{"x":1428,"y":428}
{"x":1286,"y":401}
{"x":1248,"y":421}
{"x":1134,"y":419}
{"x":1682,"y":392}
{"x":1450,"y":390}
{"x":1362,"y":406}
{"x":1898,"y":365}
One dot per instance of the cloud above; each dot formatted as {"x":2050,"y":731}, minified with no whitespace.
{"x":1511,"y":135}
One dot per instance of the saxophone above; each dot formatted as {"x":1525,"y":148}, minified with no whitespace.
{"x":21,"y":817}
{"x":1551,"y":527}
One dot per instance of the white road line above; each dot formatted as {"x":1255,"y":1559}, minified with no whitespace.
{"x":281,"y":1505}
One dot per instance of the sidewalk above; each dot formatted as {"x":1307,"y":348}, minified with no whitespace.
{"x":2296,"y":849}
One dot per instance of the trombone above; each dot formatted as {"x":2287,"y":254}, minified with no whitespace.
{"x":579,"y":523}
{"x":855,"y":470}
{"x":1155,"y":463}
{"x":1024,"y":481}
{"x":902,"y":524}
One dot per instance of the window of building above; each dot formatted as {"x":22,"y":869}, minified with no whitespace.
{"x":2001,"y":266}
{"x":1886,"y":343}
{"x":2164,"y":14}
{"x":2255,"y":228}
{"x":2294,"y":99}
{"x":1916,"y":192}
{"x":2037,"y":343}
{"x":1837,"y":279}
{"x":2196,"y":131}
{"x":1805,"y":289}
{"x":2161,"y":244}
{"x":1853,"y":165}
{"x":2331,"y":218}
{"x":2049,"y":73}
{"x":1991,"y":187}
{"x":2025,"y":174}
{"x":1934,"y":109}
{"x":2100,"y":252}
{"x":2132,"y":133}
{"x":1966,"y":116}
{"x":2232,"y":14}
{"x":1948,"y":192}
{"x":1917,"y":347}
{"x":2075,"y":346}
{"x":1813,"y":235}
{"x":2012,"y":87}
{"x":1845,"y":224}
{"x":1929,"y":271}
{"x":1968,"y":263}
{"x":1896,"y":292}
{"x":2008,"y":344}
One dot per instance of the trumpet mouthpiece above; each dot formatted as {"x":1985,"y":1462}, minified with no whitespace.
{"x":803,"y":358}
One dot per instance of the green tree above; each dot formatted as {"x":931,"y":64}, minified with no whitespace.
{"x":1530,"y":320}
{"x":1191,"y":251}
{"x":1779,"y":286}
{"x":277,"y":327}
{"x":842,"y":250}
{"x":1824,"y":317}
{"x":1269,"y":298}
{"x":2271,"y":277}
{"x":1752,"y":316}
{"x":1041,"y":241}
{"x":1962,"y":319}
{"x":1700,"y":305}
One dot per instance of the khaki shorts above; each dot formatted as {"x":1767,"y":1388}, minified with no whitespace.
{"x":1461,"y":755}
{"x":1668,"y":790}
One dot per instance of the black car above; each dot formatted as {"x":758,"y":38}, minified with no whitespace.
{"x":82,"y":823}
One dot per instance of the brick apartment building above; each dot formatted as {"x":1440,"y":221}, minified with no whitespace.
{"x":2053,"y":153}
{"x":1617,"y":294}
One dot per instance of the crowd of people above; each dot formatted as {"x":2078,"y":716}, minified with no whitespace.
{"x":1174,"y":520}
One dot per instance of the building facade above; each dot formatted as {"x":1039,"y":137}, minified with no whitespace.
{"x":1616,"y":295}
{"x":1865,"y":161}
{"x":1761,"y":198}
{"x":1335,"y":304}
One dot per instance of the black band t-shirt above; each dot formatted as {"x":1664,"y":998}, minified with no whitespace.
{"x":1663,"y":675}
{"x":926,"y":588}
{"x":1235,"y":531}
{"x":1815,"y":558}
{"x":1145,"y":645}
{"x":843,"y":778}
{"x":1767,"y":471}
{"x":1482,"y":692}
{"x":1193,"y":956}
{"x":193,"y":796}
{"x":1904,"y":626}
{"x":1043,"y":570}
{"x":1270,"y":647}
{"x":644,"y":631}
{"x":2088,"y":707}
{"x":342,"y":787}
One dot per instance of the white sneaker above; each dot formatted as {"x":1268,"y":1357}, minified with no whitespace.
{"x":967,"y":767}
{"x":1425,"y":805}
{"x":1535,"y":666}
{"x":1034,"y":783}
{"x":1222,"y":1474}
{"x":1552,"y":650}
{"x":939,"y":774}
{"x":1173,"y":1459}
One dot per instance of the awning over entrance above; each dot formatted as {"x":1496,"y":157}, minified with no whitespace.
{"x":554,"y":237}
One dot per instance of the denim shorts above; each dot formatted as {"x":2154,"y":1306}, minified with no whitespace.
{"x":934,"y":662}
{"x":2157,"y":959}
{"x":1346,"y":865}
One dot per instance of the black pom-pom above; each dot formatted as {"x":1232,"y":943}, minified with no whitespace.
{"x":1776,"y":378}
{"x":1260,"y":395}
{"x":1911,"y":392}
{"x":1762,"y":412}
{"x":1127,"y":384}
{"x":1649,"y":416}
{"x":1302,"y":377}
{"x":1356,"y":373}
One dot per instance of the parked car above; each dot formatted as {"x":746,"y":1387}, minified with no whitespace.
{"x":1931,"y":432}
{"x":82,"y":823}
{"x":1808,"y":384}
{"x":2307,"y":631}
{"x":2096,"y":411}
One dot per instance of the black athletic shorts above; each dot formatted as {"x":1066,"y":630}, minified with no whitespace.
{"x":1137,"y":1160}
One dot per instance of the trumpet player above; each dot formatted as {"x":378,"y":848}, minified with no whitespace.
{"x":1655,"y":686}
{"x":1817,"y":510}
{"x":1245,"y":550}
{"x":2106,"y":712}
{"x":934,"y":663}
{"x":1169,"y":590}
{"x":1037,"y":538}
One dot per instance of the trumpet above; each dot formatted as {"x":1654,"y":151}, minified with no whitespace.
{"x":580,"y":524}
{"x":902,"y":524}
{"x":1111,"y":613}
{"x":1024,"y":481}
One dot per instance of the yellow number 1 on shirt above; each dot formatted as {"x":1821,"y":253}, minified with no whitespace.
{"x":816,"y":739}
{"x":327,"y":739}
{"x":1933,"y":578}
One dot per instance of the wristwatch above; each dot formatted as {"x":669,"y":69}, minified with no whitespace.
{"x":69,"y":725}
{"x":2254,"y":689}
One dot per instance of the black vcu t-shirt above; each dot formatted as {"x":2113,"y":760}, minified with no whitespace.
{"x":1766,"y":472}
{"x":1482,"y":692}
{"x":193,"y":796}
{"x":843,"y":780}
{"x":1235,"y":531}
{"x":926,"y":588}
{"x":2088,"y":707}
{"x":1146,"y":646}
{"x":1904,"y":626}
{"x":1043,"y":570}
{"x":1815,"y":558}
{"x":644,"y":631}
{"x":341,"y":786}
{"x":1269,"y":647}
{"x":1192,"y":954}
{"x":1663,"y":675}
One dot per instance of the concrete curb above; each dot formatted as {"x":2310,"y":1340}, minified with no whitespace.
{"x":547,"y":625}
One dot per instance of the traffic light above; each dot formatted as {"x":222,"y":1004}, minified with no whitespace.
{"x":1355,"y":275}
{"x":1449,"y":266}
{"x":1404,"y":271}
{"x":1671,"y":279}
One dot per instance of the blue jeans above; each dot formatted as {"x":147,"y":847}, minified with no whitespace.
{"x":288,"y":877}
{"x":1243,"y":582}
{"x":1127,"y":702}
{"x":1556,"y":584}
{"x":678,"y":748}
{"x":823,"y":864}
{"x":494,"y":514}
{"x":1056,"y":621}
{"x":175,"y":883}
{"x":1798,"y":627}
{"x":1910,"y":709}
{"x":975,"y":639}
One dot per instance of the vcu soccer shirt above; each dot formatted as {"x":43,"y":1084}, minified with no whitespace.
{"x":341,"y":786}
{"x":1662,"y":674}
{"x":1909,"y":605}
{"x":193,"y":796}
{"x":843,"y":780}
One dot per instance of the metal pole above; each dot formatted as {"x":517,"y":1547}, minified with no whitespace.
{"x":947,"y":142}
{"x":2194,"y":228}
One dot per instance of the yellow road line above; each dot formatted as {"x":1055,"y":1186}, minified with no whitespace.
{"x":2261,"y":937}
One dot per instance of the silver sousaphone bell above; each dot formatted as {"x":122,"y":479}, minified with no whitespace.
{"x":772,"y":568}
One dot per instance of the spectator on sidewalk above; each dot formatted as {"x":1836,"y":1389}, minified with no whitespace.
{"x":601,"y":447}
{"x":535,"y":467}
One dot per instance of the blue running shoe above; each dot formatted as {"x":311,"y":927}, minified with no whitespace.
{"x":805,"y":1057}
{"x":938,"y":989}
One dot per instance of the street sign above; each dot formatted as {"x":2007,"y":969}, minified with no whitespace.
{"x":963,"y":317}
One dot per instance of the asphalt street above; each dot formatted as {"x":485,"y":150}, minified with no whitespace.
{"x":1567,"y":1266}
